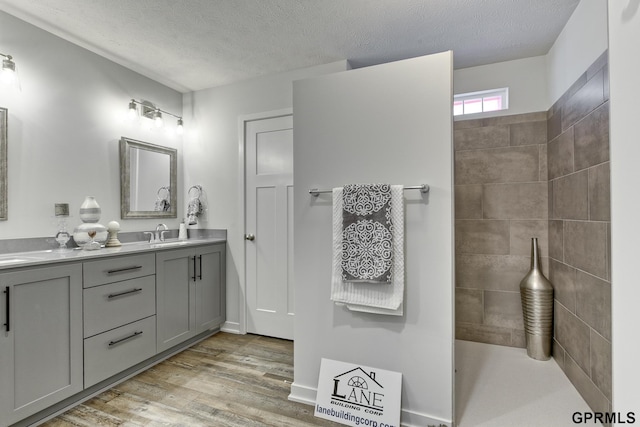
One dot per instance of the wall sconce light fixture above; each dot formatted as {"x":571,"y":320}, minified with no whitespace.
{"x":8,"y":71}
{"x":152,"y":112}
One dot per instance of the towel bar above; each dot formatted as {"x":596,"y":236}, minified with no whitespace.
{"x":424,"y":188}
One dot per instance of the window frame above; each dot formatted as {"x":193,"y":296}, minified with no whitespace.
{"x":503,"y":93}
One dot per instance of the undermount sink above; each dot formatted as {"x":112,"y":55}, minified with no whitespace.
{"x":169,"y":244}
{"x":16,"y":259}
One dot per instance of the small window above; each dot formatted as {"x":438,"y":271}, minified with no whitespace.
{"x":481,"y":102}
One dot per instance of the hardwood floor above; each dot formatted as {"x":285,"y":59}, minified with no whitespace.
{"x":225,"y":380}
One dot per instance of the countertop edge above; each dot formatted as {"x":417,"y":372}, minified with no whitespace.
{"x":56,"y":256}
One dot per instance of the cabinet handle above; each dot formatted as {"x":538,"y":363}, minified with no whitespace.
{"x":194,"y":268}
{"x":119,"y":294}
{"x":122,"y":270}
{"x":133,"y":335}
{"x":200,"y":275}
{"x":6,"y":291}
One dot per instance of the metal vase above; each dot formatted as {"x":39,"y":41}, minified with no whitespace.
{"x":536,"y":293}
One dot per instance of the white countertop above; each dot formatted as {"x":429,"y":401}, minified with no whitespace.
{"x":36,"y":258}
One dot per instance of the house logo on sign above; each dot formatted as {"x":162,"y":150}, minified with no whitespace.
{"x":357,"y":389}
{"x":358,"y":395}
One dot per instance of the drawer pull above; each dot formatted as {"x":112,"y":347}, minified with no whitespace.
{"x":8,"y":307}
{"x":119,"y":294}
{"x":133,"y":335}
{"x":123,"y":270}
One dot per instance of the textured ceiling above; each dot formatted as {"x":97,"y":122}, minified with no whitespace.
{"x":196,"y":44}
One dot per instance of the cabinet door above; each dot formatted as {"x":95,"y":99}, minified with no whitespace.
{"x":175,"y":293}
{"x":210,"y":287}
{"x":41,"y":348}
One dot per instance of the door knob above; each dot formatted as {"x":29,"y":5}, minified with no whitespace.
{"x":249,"y":237}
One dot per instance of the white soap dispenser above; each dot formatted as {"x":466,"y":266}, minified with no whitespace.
{"x":182,"y":232}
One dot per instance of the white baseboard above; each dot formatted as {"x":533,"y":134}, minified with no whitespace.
{"x":231,"y":327}
{"x":415,"y":419}
{"x":303,"y":394}
{"x":307,"y":396}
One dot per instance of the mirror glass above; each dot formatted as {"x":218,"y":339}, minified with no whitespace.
{"x":3,"y":163}
{"x":147,"y":180}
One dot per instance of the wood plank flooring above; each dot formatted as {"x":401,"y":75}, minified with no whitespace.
{"x":225,"y":380}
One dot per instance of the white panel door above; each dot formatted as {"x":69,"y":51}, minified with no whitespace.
{"x":269,"y":226}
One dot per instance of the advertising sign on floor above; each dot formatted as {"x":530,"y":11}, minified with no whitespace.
{"x":357,"y":395}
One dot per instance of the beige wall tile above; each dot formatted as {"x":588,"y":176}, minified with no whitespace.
{"x":560,"y":155}
{"x":585,"y":246}
{"x":554,"y":123}
{"x":528,"y":133}
{"x":482,"y":237}
{"x":469,"y":305}
{"x":585,"y":100}
{"x":550,"y":198}
{"x":511,"y":164}
{"x":468,"y":201}
{"x":601,"y":363}
{"x":503,"y":309}
{"x":571,"y":196}
{"x":556,"y":240}
{"x":608,"y":243}
{"x":518,"y":339}
{"x":563,"y":279}
{"x":521,"y":232}
{"x":491,"y":272}
{"x":606,"y":83}
{"x":467,"y":124}
{"x":515,"y":201}
{"x":543,"y":174}
{"x":598,"y":64}
{"x":593,"y":302}
{"x":573,"y":335}
{"x":483,"y":333}
{"x":483,"y":137}
{"x":592,"y":139}
{"x":558,"y":353}
{"x":516,"y":118}
{"x":587,"y":389}
{"x":600,"y":193}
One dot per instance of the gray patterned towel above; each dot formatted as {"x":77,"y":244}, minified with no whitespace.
{"x":367,"y":230}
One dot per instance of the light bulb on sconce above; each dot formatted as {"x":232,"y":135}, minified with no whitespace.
{"x":8,"y":72}
{"x":180,"y":127}
{"x":157,"y":119}
{"x":133,"y":110}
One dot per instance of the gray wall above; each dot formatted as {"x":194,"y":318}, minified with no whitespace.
{"x":64,"y":126}
{"x":213,"y":159}
{"x":389,"y":123}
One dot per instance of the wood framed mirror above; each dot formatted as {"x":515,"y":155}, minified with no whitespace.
{"x":4,"y":117}
{"x":148,"y":180}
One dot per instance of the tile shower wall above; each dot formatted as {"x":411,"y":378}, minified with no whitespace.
{"x":542,"y":175}
{"x":501,"y":201}
{"x":579,"y":233}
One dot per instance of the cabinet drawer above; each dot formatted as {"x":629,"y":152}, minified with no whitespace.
{"x":117,"y":269}
{"x":116,"y":304}
{"x":114,"y":351}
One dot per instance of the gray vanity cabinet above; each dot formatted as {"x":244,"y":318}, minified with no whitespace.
{"x":40,"y":339}
{"x":190,"y":289}
{"x":119,"y":315}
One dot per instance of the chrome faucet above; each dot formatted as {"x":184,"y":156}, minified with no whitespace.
{"x":160,"y":234}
